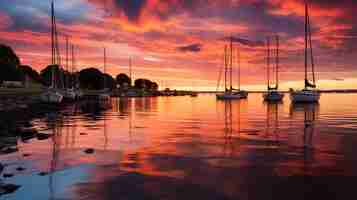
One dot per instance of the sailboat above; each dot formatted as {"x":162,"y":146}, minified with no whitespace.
{"x":309,"y":93}
{"x":273,"y":94}
{"x":104,"y":96}
{"x":68,"y":92}
{"x":231,"y":93}
{"x":51,"y":95}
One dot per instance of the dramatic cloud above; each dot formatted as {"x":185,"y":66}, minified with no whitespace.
{"x":158,"y":34}
{"x":190,"y":48}
{"x":246,"y":42}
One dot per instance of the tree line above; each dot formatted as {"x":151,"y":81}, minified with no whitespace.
{"x":88,"y":78}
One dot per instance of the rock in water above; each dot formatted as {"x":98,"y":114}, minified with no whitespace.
{"x":1,"y":168}
{"x":89,"y":151}
{"x":7,"y":175}
{"x":8,"y":188}
{"x":9,"y":150}
{"x":43,"y":136}
{"x":43,"y":173}
{"x":20,"y":169}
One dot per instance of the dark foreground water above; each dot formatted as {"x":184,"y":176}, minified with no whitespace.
{"x":191,"y":148}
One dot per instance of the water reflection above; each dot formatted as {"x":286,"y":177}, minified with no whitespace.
{"x":232,"y":126}
{"x":308,"y":113}
{"x":144,"y":144}
{"x":272,"y":120}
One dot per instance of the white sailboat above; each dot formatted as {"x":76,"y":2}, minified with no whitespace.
{"x":104,"y":95}
{"x":273,"y":94}
{"x":51,"y":95}
{"x":231,"y":93}
{"x":309,"y":93}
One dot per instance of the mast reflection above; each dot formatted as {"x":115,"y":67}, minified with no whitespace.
{"x":231,"y":133}
{"x":309,"y":113}
{"x":272,"y":121}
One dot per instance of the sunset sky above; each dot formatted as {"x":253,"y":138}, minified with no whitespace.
{"x":180,"y":43}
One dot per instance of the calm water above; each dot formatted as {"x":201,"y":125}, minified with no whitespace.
{"x":190,"y":148}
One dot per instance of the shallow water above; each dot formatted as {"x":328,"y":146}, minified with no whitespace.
{"x":190,"y":148}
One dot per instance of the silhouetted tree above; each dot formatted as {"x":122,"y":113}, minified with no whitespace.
{"x":110,"y":81}
{"x":8,"y":56}
{"x":91,"y":78}
{"x":122,"y":79}
{"x":46,"y":75}
{"x":33,"y":74}
{"x":154,"y":86}
{"x":9,"y":63}
{"x":140,"y":83}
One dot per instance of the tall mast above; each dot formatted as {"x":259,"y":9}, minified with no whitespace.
{"x":231,"y":65}
{"x":306,"y":45}
{"x":105,"y":65}
{"x":238,"y":58}
{"x":277,"y":63}
{"x":67,"y":60}
{"x":130,"y":71}
{"x":311,"y":52}
{"x":268,"y":62}
{"x":72,"y":62}
{"x":52,"y":34}
{"x":225,"y":68}
{"x":53,"y":84}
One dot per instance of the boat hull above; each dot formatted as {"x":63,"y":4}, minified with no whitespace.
{"x":51,"y":97}
{"x":69,"y":94}
{"x":273,"y":96}
{"x":231,"y":96}
{"x":305,"y":96}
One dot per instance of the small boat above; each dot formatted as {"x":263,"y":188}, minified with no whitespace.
{"x":305,"y":96}
{"x":231,"y":93}
{"x":273,"y":94}
{"x":69,"y":94}
{"x":231,"y":96}
{"x":51,"y":95}
{"x":309,"y":94}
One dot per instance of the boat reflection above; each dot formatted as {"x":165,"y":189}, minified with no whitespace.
{"x":308,"y":113}
{"x":272,"y":121}
{"x":232,"y":126}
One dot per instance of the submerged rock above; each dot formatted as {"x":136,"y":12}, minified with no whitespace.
{"x":8,"y":188}
{"x":27,"y":134}
{"x":6,"y":175}
{"x":9,"y":150}
{"x":43,"y":136}
{"x":43,"y":173}
{"x":2,"y":167}
{"x":89,"y":151}
{"x":20,"y":169}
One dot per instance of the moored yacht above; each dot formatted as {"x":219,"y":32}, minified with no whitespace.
{"x":51,"y":95}
{"x":273,"y":93}
{"x":231,"y":93}
{"x":309,"y":94}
